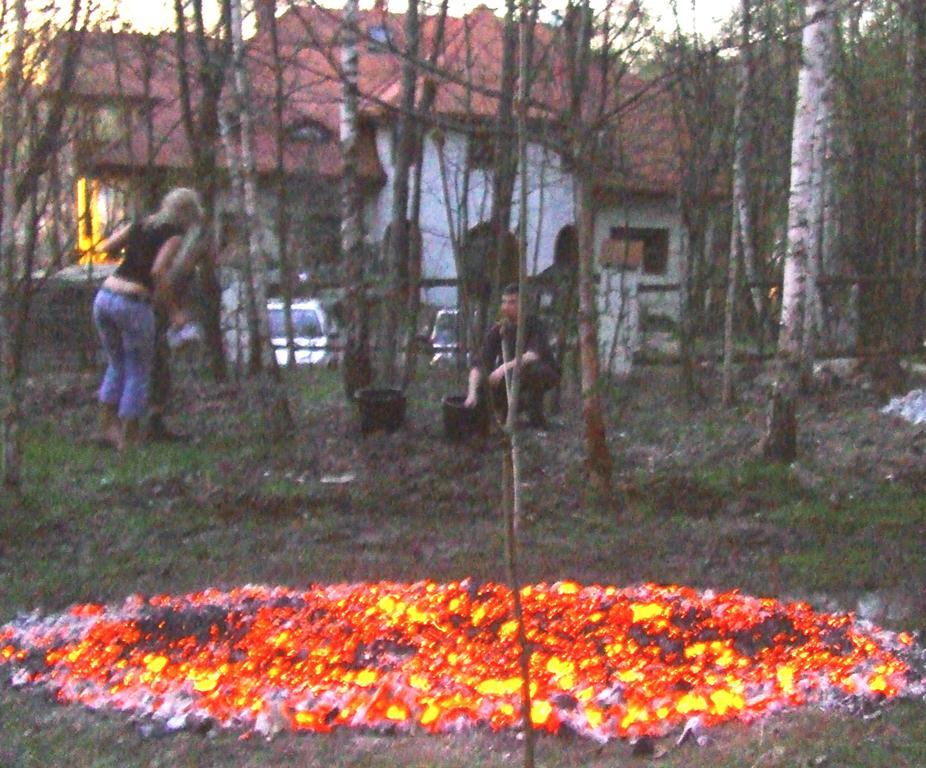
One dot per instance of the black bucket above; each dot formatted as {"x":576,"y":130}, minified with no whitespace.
{"x":462,"y":423}
{"x":380,"y":409}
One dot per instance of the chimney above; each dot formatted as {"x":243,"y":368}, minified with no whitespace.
{"x":266,"y":11}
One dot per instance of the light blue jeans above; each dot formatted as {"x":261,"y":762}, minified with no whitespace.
{"x":126,"y":328}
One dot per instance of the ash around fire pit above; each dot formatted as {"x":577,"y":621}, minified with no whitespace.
{"x":380,"y":409}
{"x":462,"y":423}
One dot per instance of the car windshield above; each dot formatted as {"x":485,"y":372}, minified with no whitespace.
{"x":305,"y":323}
{"x":445,"y":329}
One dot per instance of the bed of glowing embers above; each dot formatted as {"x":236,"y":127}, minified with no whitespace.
{"x":605,"y":662}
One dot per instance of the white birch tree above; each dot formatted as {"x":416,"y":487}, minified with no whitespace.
{"x":357,"y":368}
{"x":263,"y":357}
{"x":741,"y":240}
{"x":810,"y":127}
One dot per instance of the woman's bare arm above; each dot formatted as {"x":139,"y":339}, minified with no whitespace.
{"x":115,"y":242}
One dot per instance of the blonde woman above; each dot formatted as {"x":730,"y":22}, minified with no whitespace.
{"x":124,"y":314}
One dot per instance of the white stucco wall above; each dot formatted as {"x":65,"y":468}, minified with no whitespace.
{"x":550,"y":207}
{"x":646,"y":213}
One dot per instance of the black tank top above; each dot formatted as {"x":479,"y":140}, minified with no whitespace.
{"x":141,"y":249}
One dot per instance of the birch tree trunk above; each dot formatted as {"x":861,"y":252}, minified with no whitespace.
{"x":425,"y":105}
{"x":505,"y":166}
{"x":810,"y":118}
{"x":280,"y":416}
{"x":203,"y":132}
{"x":916,"y":65}
{"x":282,"y":202}
{"x":399,"y":240}
{"x":357,"y":369}
{"x":729,"y":312}
{"x":742,"y":246}
{"x":257,"y":255}
{"x":10,"y":135}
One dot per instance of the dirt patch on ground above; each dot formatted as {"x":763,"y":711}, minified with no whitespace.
{"x":670,"y":495}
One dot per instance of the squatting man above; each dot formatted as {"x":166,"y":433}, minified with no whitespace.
{"x":539,"y":371}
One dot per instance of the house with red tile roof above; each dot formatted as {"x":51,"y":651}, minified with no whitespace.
{"x":639,"y":233}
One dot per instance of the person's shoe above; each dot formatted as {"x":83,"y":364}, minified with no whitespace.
{"x":131,"y":435}
{"x":110,"y":433}
{"x":159,"y":432}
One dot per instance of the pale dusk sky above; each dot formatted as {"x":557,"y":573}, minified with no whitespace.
{"x":148,"y":16}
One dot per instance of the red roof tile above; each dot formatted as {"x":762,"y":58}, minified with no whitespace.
{"x":468,"y":75}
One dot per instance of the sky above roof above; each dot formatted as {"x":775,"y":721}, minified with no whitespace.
{"x":704,"y":16}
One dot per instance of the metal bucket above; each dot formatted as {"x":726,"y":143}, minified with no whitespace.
{"x":462,"y":423}
{"x":380,"y":409}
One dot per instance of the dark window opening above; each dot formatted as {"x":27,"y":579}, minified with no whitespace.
{"x":653,"y":244}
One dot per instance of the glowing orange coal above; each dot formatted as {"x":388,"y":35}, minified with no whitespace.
{"x":605,"y":662}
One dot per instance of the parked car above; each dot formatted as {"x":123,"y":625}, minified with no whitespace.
{"x":315,"y":335}
{"x":445,"y":337}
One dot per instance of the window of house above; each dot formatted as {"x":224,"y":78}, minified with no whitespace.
{"x":109,"y":125}
{"x":634,"y":247}
{"x":481,"y":150}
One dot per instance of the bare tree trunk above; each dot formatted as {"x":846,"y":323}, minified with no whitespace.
{"x":32,"y":119}
{"x":741,"y":243}
{"x":202,"y":132}
{"x":282,"y":201}
{"x":413,"y":306}
{"x":280,"y":416}
{"x":505,"y":166}
{"x":780,"y":442}
{"x":597,"y":454}
{"x":357,"y":368}
{"x":916,"y":72}
{"x":511,"y":474}
{"x":578,"y":37}
{"x":10,"y":136}
{"x":729,"y":312}
{"x":399,"y":240}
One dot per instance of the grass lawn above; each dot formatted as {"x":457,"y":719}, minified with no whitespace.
{"x":235,"y":507}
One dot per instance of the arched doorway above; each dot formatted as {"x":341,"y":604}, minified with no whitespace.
{"x":566,"y":250}
{"x":480,"y":261}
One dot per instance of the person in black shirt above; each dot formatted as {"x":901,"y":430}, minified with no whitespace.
{"x":123,"y":310}
{"x":539,"y":371}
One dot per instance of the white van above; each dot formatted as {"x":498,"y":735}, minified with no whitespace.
{"x":314,"y":333}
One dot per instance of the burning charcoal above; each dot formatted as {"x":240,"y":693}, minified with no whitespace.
{"x":640,"y":635}
{"x":163,"y":625}
{"x":331,"y":715}
{"x":20,"y":678}
{"x":671,"y":649}
{"x":177,"y":722}
{"x":693,"y":728}
{"x":293,"y":602}
{"x":611,"y":696}
{"x":345,"y":648}
{"x":837,"y":640}
{"x":565,"y":701}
